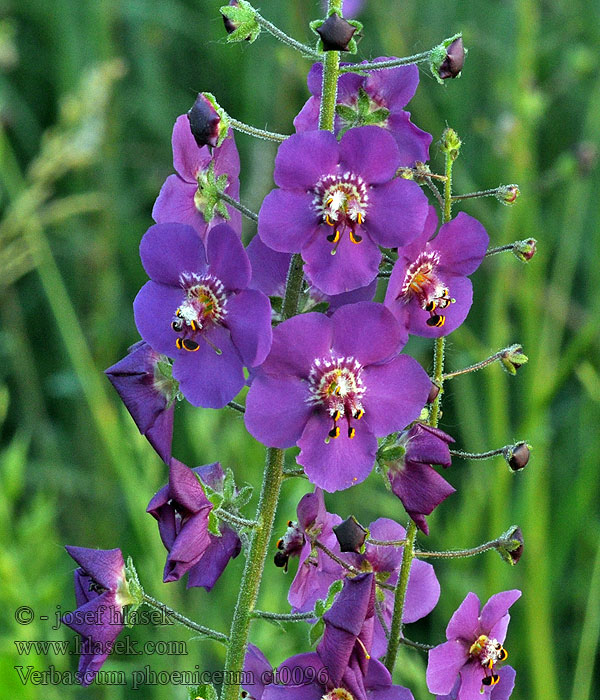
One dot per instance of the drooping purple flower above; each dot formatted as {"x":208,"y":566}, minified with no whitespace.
{"x":181,"y":199}
{"x":377,"y":98}
{"x":423,"y":590}
{"x":429,"y":291}
{"x":141,"y":379}
{"x":413,"y":479}
{"x":332,"y":386}
{"x":342,"y":668}
{"x":475,"y":637}
{"x":316,"y":571}
{"x":182,"y":510}
{"x":336,"y":203}
{"x":197,"y":309}
{"x":269,"y":274}
{"x":101,"y":592}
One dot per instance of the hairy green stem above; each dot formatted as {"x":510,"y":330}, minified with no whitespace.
{"x":283,"y":37}
{"x":479,"y":455}
{"x":236,"y":406}
{"x":186,"y":622}
{"x":473,"y":368}
{"x":254,"y":131}
{"x":459,"y":553}
{"x":233,"y":519}
{"x":415,"y":645}
{"x":284,"y":617}
{"x":382,"y":65}
{"x":331,"y":67}
{"x":239,"y":206}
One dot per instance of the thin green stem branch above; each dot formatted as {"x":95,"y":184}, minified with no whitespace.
{"x":478,"y":455}
{"x":382,"y":65}
{"x":460,"y":553}
{"x":256,"y":132}
{"x":185,"y":621}
{"x":305,"y":50}
{"x":386,"y":543}
{"x":415,"y":645}
{"x":234,"y":519}
{"x":236,"y":406}
{"x":284,"y":617}
{"x":239,"y":206}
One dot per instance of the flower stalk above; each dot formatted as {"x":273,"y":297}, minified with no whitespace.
{"x":305,"y":50}
{"x":185,"y":621}
{"x":256,"y":132}
{"x":239,"y":206}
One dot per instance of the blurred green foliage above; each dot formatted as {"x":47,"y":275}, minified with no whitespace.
{"x":88,"y":96}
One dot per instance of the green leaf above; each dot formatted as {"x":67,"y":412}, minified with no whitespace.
{"x":213,"y":524}
{"x":315,"y":632}
{"x":243,"y":496}
{"x":203,"y":692}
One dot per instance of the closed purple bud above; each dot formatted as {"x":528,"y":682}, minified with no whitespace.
{"x":517,"y":456}
{"x":507,"y":194}
{"x":453,"y":63}
{"x":351,"y":535}
{"x":335,"y":33}
{"x":204,"y":122}
{"x":525,"y":250}
{"x":516,"y":553}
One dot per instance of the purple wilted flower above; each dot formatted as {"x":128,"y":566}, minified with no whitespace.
{"x":142,"y":381}
{"x":429,"y":291}
{"x":332,"y":386}
{"x":377,"y":98}
{"x":316,"y":571}
{"x":423,"y":591}
{"x":101,"y":592}
{"x":337,"y":203}
{"x":342,"y":667}
{"x":197,"y":309}
{"x":181,"y":198}
{"x":473,"y":649}
{"x":182,"y":510}
{"x":412,"y":478}
{"x":269,"y":273}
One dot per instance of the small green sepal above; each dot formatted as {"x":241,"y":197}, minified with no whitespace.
{"x":202,"y":692}
{"x":242,"y":18}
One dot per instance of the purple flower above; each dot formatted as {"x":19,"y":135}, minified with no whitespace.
{"x":182,"y":510}
{"x":332,"y":386}
{"x":269,"y":274}
{"x":350,"y":7}
{"x":316,"y":571}
{"x":413,"y":479}
{"x":502,"y":690}
{"x":473,"y":649}
{"x":377,"y":98}
{"x":197,"y":309}
{"x":338,"y":202}
{"x":141,"y":379}
{"x":181,"y":198}
{"x":422,"y":593}
{"x":429,"y":292}
{"x":101,"y":592}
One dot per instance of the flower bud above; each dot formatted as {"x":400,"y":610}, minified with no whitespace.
{"x":454,"y":60}
{"x":239,"y":18}
{"x":230,"y":24}
{"x":507,"y":194}
{"x":525,"y":250}
{"x":351,"y":535}
{"x":450,"y":143}
{"x":512,"y":358}
{"x":512,"y":552}
{"x":204,"y":122}
{"x":433,"y":393}
{"x":517,"y":455}
{"x":335,"y":33}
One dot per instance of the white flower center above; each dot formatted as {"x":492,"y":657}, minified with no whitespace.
{"x":422,"y":281}
{"x":204,"y":304}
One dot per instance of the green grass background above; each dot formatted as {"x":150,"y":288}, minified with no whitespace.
{"x":82,"y":157}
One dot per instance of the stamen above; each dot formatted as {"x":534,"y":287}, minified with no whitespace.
{"x":436,"y":321}
{"x":364,"y":648}
{"x":334,"y":432}
{"x":354,"y":237}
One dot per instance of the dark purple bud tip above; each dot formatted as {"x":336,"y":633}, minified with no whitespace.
{"x":516,"y":536}
{"x":204,"y":122}
{"x":335,"y":33}
{"x":517,"y":456}
{"x":433,"y":393}
{"x":351,"y":535}
{"x":454,"y":61}
{"x":230,"y":25}
{"x":525,"y":250}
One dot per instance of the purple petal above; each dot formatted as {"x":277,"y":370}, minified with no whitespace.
{"x":175,"y":202}
{"x":352,"y":266}
{"x":190,"y":544}
{"x":205,"y":378}
{"x":370,"y":152}
{"x":227,"y":161}
{"x":506,"y":684}
{"x":257,"y":669}
{"x":393,"y":87}
{"x":413,"y":143}
{"x":464,"y":624}
{"x":214,"y":560}
{"x":89,"y":662}
{"x":355,"y":327}
{"x":249,"y":321}
{"x":428,"y":445}
{"x":153,"y":308}
{"x":311,"y":509}
{"x":462,"y":244}
{"x":342,"y":462}
{"x":420,"y":487}
{"x":307,"y":118}
{"x":287,"y":220}
{"x":394,"y":692}
{"x":302,"y":159}
{"x":185,"y":489}
{"x":297,"y":343}
{"x":338,"y":300}
{"x":212,"y":475}
{"x":105,"y":566}
{"x":293,"y":692}
{"x":167,"y":250}
{"x":423,"y":592}
{"x":227,"y":258}
{"x":100,"y":619}
{"x":396,"y":393}
{"x":461,"y":290}
{"x":384,"y":558}
{"x":497,"y":607}
{"x":445,"y":662}
{"x":471,"y":676}
{"x":498,"y":631}
{"x":397,"y":213}
{"x":160,"y":434}
{"x":269,"y":268}
{"x":188,"y":158}
{"x":276,"y":410}
{"x":312,"y":582}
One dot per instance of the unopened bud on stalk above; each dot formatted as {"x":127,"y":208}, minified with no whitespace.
{"x":351,"y":535}
{"x":517,"y":455}
{"x":450,"y":143}
{"x":336,"y":33}
{"x":525,"y":250}
{"x":513,"y":358}
{"x":507,"y":194}
{"x":512,"y":552}
{"x":240,"y":22}
{"x":206,"y":121}
{"x":447,"y":59}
